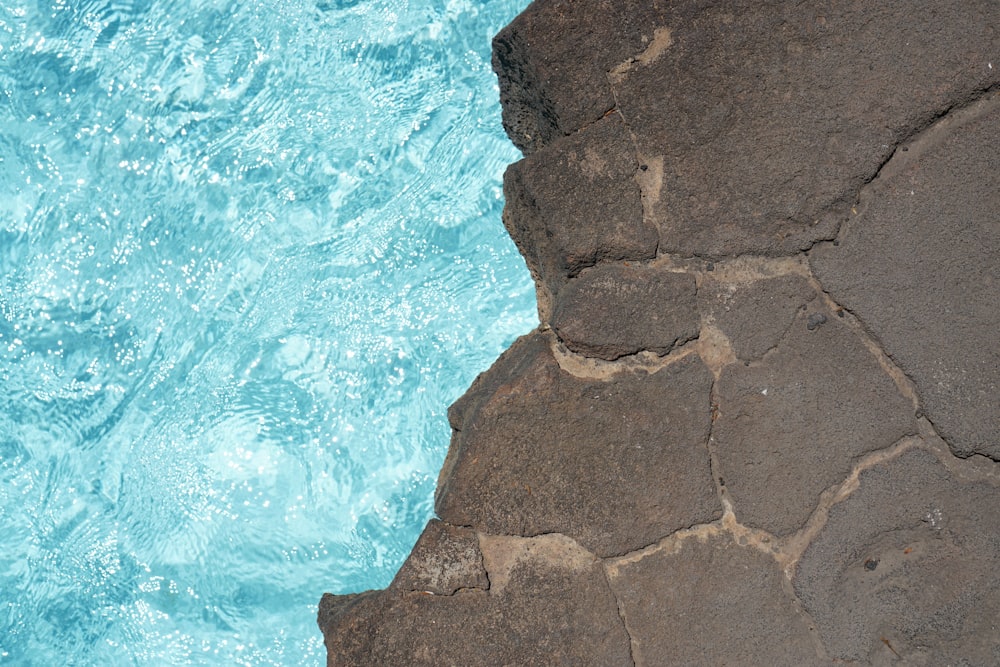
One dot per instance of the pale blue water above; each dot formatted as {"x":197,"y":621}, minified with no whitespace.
{"x":249,"y":253}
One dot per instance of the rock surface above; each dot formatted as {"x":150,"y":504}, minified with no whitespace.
{"x":547,"y":89}
{"x":754,"y":314}
{"x":760,"y":420}
{"x":934,"y":211}
{"x":795,"y":423}
{"x":703,"y":599}
{"x":616,"y":310}
{"x":548,"y":604}
{"x":445,"y":560}
{"x":909,"y":561}
{"x":615,"y":464}
{"x":780,"y":112}
{"x":575,"y":204}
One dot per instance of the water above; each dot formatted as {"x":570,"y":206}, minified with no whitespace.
{"x":249,"y":254}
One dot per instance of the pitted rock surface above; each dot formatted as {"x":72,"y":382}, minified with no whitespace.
{"x":934,"y":307}
{"x":555,"y":608}
{"x":444,"y":560}
{"x":547,"y":88}
{"x":796,"y":422}
{"x":778,"y":113}
{"x":576,"y":203}
{"x":754,"y":315}
{"x":911,"y":558}
{"x":625,"y":463}
{"x":765,"y":243}
{"x":705,"y":600}
{"x":614,"y":310}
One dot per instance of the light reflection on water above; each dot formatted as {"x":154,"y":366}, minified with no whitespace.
{"x":249,"y":253}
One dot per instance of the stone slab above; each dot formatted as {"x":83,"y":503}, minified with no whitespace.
{"x":905,"y":570}
{"x":795,"y":423}
{"x":708,"y":601}
{"x":754,"y":315}
{"x":554,"y":607}
{"x":611,"y":311}
{"x":765,"y":119}
{"x":614,"y":464}
{"x":547,"y":90}
{"x":692,"y":133}
{"x":576,"y":203}
{"x":936,"y":212}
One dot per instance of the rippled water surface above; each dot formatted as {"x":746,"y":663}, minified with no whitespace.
{"x":249,"y":253}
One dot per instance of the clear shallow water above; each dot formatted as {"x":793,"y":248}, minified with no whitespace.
{"x":249,"y":254}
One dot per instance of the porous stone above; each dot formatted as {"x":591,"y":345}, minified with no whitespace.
{"x":444,"y":559}
{"x":610,"y":311}
{"x":554,"y":607}
{"x":546,"y":89}
{"x":576,"y":203}
{"x":614,"y":464}
{"x":754,"y":315}
{"x":794,"y":424}
{"x":905,"y":569}
{"x":934,"y":211}
{"x":708,"y":601}
{"x":764,"y":122}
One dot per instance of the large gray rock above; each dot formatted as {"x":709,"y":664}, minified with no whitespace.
{"x":548,"y":604}
{"x":711,"y":602}
{"x":613,"y":310}
{"x":576,"y":203}
{"x":936,"y":212}
{"x":905,"y":570}
{"x":764,"y":119}
{"x":795,"y":423}
{"x":614,"y":464}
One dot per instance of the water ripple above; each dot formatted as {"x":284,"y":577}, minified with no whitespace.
{"x":249,"y":253}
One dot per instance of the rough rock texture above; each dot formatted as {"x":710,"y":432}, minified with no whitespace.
{"x":444,"y":560}
{"x":754,"y":315}
{"x":765,"y":241}
{"x":576,"y":203}
{"x":705,"y":600}
{"x":615,"y":464}
{"x":552,"y":607}
{"x":909,"y":561}
{"x":780,"y":111}
{"x":614,"y":310}
{"x":934,"y":211}
{"x":546,"y":88}
{"x":796,"y":422}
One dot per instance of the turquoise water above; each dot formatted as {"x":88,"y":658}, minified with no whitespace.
{"x":249,"y":254}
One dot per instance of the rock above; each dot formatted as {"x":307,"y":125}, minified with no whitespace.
{"x":444,"y":560}
{"x":707,"y":601}
{"x":739,"y":142}
{"x":754,"y":315}
{"x":796,"y":423}
{"x":614,"y":464}
{"x":577,"y":203}
{"x":554,"y":607}
{"x":904,"y":572}
{"x":934,"y":306}
{"x":763,"y":125}
{"x":547,"y":89}
{"x":610,"y":311}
